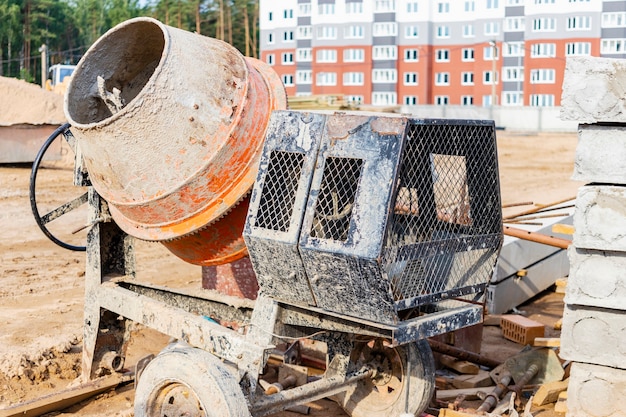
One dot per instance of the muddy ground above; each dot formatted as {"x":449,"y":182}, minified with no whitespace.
{"x":41,"y":290}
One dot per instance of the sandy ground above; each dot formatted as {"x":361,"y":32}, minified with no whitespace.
{"x":41,"y":291}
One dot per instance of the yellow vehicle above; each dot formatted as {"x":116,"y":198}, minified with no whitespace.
{"x":58,"y":77}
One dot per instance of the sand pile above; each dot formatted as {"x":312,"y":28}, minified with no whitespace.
{"x":26,"y":103}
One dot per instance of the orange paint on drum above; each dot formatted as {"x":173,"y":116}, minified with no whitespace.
{"x":171,"y":126}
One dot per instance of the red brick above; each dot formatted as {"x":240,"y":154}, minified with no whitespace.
{"x":521,"y":329}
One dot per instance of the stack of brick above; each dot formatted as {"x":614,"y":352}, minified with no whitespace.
{"x":594,"y":321}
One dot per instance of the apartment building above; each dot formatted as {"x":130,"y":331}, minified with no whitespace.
{"x":454,"y":52}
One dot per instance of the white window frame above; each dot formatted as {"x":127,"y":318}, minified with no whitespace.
{"x":288,"y":36}
{"x":544,"y":24}
{"x":384,"y":76}
{"x":326,"y":55}
{"x":354,"y":32}
{"x":612,"y":46}
{"x":384,"y":98}
{"x":304,"y":55}
{"x":411,"y":55}
{"x":411,"y":78}
{"x":487,"y":77}
{"x":515,"y":24}
{"x":304,"y":32}
{"x":326,"y":78}
{"x":442,"y":78}
{"x":513,"y":49}
{"x":326,"y":32}
{"x":543,"y":50}
{"x":542,"y":100}
{"x":287,"y":58}
{"x":304,"y":9}
{"x":288,"y":80}
{"x":442,"y":100}
{"x":354,"y":7}
{"x":410,"y":100}
{"x":469,"y":30}
{"x":512,"y":98}
{"x":411,"y":32}
{"x":384,"y":52}
{"x":353,"y":78}
{"x":385,"y":29}
{"x":304,"y":77}
{"x":412,"y":7}
{"x":578,"y":49}
{"x":326,"y":9}
{"x":384,"y":6}
{"x":614,"y":19}
{"x":443,"y":32}
{"x":467,"y":55}
{"x":270,"y":59}
{"x":442,"y":55}
{"x":467,"y":100}
{"x":513,"y":74}
{"x":467,"y":78}
{"x":492,"y":28}
{"x":578,"y":23}
{"x":354,"y":55}
{"x":543,"y":76}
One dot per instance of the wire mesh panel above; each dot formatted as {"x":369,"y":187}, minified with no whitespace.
{"x":279,"y":191}
{"x":445,"y":230}
{"x":333,"y":210}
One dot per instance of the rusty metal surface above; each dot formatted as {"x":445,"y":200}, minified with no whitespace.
{"x":171,"y":137}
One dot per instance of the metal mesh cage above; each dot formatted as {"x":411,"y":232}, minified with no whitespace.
{"x":443,"y":234}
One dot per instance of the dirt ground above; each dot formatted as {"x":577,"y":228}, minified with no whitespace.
{"x":41,"y":290}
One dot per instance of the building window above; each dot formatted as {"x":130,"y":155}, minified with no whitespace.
{"x":467,"y":100}
{"x":385,"y":52}
{"x":270,"y":59}
{"x":353,"y":100}
{"x":492,"y":4}
{"x":270,"y":16}
{"x":544,"y":24}
{"x":353,"y":78}
{"x":304,"y":77}
{"x":410,"y":100}
{"x":287,"y":58}
{"x":542,"y":76}
{"x":354,"y":7}
{"x":353,"y":55}
{"x":326,"y":32}
{"x":288,"y":14}
{"x":543,"y":50}
{"x":384,"y":76}
{"x":442,"y":100}
{"x":304,"y":55}
{"x":270,"y":38}
{"x":544,"y":1}
{"x":513,"y":74}
{"x":385,"y":29}
{"x":384,"y":99}
{"x":513,"y":49}
{"x":542,"y":100}
{"x":411,"y":32}
{"x":515,"y":2}
{"x":326,"y":55}
{"x":410,"y":78}
{"x":326,"y":9}
{"x":578,"y":48}
{"x":443,"y":7}
{"x":353,"y":32}
{"x":443,"y":31}
{"x":488,"y":77}
{"x":326,"y":78}
{"x":467,"y":54}
{"x":384,"y":6}
{"x":304,"y":9}
{"x":305,"y":32}
{"x":468,"y":30}
{"x":612,"y":46}
{"x":469,"y":6}
{"x":487,"y":100}
{"x":288,"y":80}
{"x":492,"y":28}
{"x":411,"y":7}
{"x":488,"y":52}
{"x":288,"y":36}
{"x":514,"y":24}
{"x":579,"y":23}
{"x":614,"y":20}
{"x":442,"y":78}
{"x":467,"y":78}
{"x":442,"y":55}
{"x":411,"y":55}
{"x":513,"y":98}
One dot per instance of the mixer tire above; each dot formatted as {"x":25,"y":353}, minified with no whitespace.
{"x":187,"y":381}
{"x":389,"y":391}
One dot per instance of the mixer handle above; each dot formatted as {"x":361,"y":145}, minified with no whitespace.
{"x":42,"y":221}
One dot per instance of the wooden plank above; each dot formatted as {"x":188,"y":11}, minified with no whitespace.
{"x":561,"y":404}
{"x":564,"y":229}
{"x":463,"y":367}
{"x":547,"y":342}
{"x":549,"y":393}
{"x":66,"y":398}
{"x":447,"y":412}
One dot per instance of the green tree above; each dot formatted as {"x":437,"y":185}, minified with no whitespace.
{"x":9,"y":31}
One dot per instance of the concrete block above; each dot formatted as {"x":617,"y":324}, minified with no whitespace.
{"x":594,"y":90}
{"x":601,"y":154}
{"x":600,"y":218}
{"x":596,"y":278}
{"x":596,"y":391}
{"x":594,"y":335}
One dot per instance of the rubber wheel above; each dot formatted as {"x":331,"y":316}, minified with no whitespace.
{"x":386,"y":393}
{"x":185,"y":381}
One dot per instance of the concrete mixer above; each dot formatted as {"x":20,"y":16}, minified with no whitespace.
{"x":368,"y":232}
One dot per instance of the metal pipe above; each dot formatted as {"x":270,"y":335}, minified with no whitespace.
{"x":537,"y":237}
{"x":494,"y":396}
{"x":462,"y":354}
{"x":312,"y":391}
